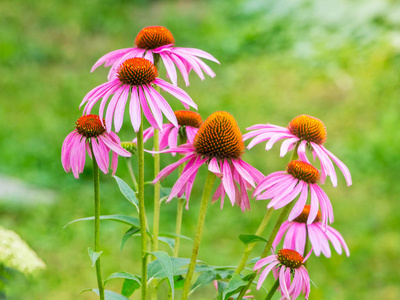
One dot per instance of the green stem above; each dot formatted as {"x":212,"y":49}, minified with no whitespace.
{"x":306,"y":248}
{"x":199,"y":229}
{"x":249,"y":247}
{"x":273,"y":290}
{"x":96,"y":185}
{"x":156,"y":215}
{"x":133,"y":178}
{"x":142,"y":212}
{"x":281,"y":219}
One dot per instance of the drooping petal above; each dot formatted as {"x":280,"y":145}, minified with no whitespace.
{"x":340,"y":164}
{"x":134,"y":109}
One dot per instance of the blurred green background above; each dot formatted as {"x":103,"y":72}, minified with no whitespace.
{"x":336,"y":60}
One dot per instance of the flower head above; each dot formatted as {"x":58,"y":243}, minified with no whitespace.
{"x":283,"y":187}
{"x":319,"y":235}
{"x":307,"y":133}
{"x":285,"y":264}
{"x":188,"y":125}
{"x":218,"y":143}
{"x":90,"y":132}
{"x":135,"y":77}
{"x":158,"y":40}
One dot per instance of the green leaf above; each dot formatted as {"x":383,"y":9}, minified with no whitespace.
{"x":129,"y":194}
{"x":155,"y":269}
{"x":124,"y":275}
{"x":94,"y":256}
{"x":110,"y":295}
{"x":171,"y":235}
{"x":118,"y":218}
{"x":234,"y":284}
{"x":128,"y":234}
{"x":129,"y":287}
{"x":251,"y":238}
{"x":204,"y":279}
{"x":164,"y":193}
{"x":170,"y":242}
{"x":166,"y":264}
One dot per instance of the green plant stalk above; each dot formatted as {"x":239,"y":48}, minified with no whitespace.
{"x":96,"y":185}
{"x":142,"y":212}
{"x":249,"y":247}
{"x":306,"y":248}
{"x":199,"y":229}
{"x":273,"y":290}
{"x":281,"y":219}
{"x":130,"y":169}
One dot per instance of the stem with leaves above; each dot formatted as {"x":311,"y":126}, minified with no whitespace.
{"x":199,"y":229}
{"x":96,"y":185}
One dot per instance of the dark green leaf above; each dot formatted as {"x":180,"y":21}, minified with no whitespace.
{"x":124,"y":275}
{"x":129,"y":287}
{"x":128,"y":234}
{"x":251,"y":238}
{"x":170,"y":242}
{"x":204,"y":279}
{"x":94,"y":255}
{"x":233,"y":286}
{"x":129,"y":194}
{"x":165,"y":261}
{"x":118,"y":218}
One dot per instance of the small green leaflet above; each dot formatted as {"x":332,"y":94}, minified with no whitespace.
{"x":94,"y":256}
{"x":251,"y":238}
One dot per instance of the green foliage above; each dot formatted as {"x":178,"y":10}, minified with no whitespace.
{"x":129,"y":194}
{"x":94,"y":256}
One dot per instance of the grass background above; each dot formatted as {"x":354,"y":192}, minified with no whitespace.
{"x":335,"y":60}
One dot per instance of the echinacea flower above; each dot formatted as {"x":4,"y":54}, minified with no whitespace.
{"x":219,"y":144}
{"x":188,"y":124}
{"x":89,"y":132}
{"x":319,"y":235}
{"x":284,"y":186}
{"x":158,"y":40}
{"x":306,"y":132}
{"x":136,"y":77}
{"x":285,"y":264}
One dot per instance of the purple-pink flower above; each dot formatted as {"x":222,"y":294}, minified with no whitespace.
{"x":285,"y":265}
{"x":90,"y":133}
{"x":136,"y":77}
{"x":219,"y":144}
{"x":319,"y":235}
{"x":188,"y":125}
{"x":305,"y":132}
{"x":284,"y":186}
{"x":158,"y":40}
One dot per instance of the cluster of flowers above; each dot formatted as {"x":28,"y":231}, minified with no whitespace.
{"x":217,"y":143}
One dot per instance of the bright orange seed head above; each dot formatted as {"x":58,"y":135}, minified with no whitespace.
{"x":153,"y":37}
{"x":308,"y":128}
{"x":302,"y":218}
{"x":137,"y":71}
{"x":188,"y":118}
{"x":89,"y":126}
{"x":303,"y":171}
{"x":219,"y":136}
{"x":290,"y":258}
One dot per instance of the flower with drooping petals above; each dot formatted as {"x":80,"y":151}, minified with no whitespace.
{"x":158,"y":40}
{"x":89,"y":132}
{"x":135,"y":77}
{"x":188,"y":124}
{"x":284,"y":186}
{"x":219,"y":144}
{"x":319,"y":235}
{"x":306,"y":132}
{"x":285,"y":264}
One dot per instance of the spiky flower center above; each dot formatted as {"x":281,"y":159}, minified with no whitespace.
{"x":129,"y":146}
{"x":302,"y":218}
{"x":188,"y":118}
{"x":220,"y":137}
{"x":153,"y":37}
{"x":309,"y":129}
{"x":290,"y":258}
{"x":137,"y":71}
{"x":303,"y":171}
{"x":89,"y":126}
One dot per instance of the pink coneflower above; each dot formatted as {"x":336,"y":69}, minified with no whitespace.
{"x":159,"y":40}
{"x":90,"y":132}
{"x":285,"y":264}
{"x":319,"y":235}
{"x":284,"y":186}
{"x":188,"y":124}
{"x":136,"y":77}
{"x":219,"y":144}
{"x":307,"y":132}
